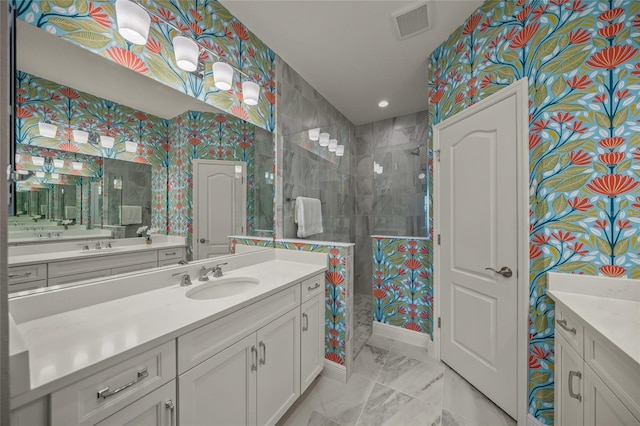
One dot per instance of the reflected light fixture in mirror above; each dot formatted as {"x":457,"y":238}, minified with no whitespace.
{"x":133,"y":22}
{"x":130,"y":146}
{"x":340,"y":150}
{"x":55,"y":175}
{"x":76,"y":165}
{"x":80,"y":136}
{"x":333,"y":145}
{"x":58,"y":163}
{"x":314,"y":134}
{"x":324,"y":139}
{"x":37,"y":161}
{"x":39,"y":174}
{"x":47,"y":129}
{"x":106,"y":141}
{"x":186,"y":52}
{"x":222,"y":75}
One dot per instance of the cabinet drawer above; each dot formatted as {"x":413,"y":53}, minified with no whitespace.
{"x":95,"y":398}
{"x":133,"y":268}
{"x":27,"y":286}
{"x":157,"y":408}
{"x":312,"y":286}
{"x":79,"y":277}
{"x":171,"y":253}
{"x":618,"y":373}
{"x":204,"y":342}
{"x":570,"y":328}
{"x":168,"y":262}
{"x":26,"y":273}
{"x":88,"y":264}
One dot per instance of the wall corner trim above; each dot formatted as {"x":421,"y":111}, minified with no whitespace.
{"x":334,"y":371}
{"x":403,"y":335}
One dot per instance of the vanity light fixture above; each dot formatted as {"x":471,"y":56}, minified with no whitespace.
{"x":55,"y":175}
{"x":133,"y":21}
{"x":58,"y":163}
{"x":333,"y":144}
{"x":238,"y":169}
{"x":222,"y":75}
{"x":76,"y":165}
{"x":37,"y":161}
{"x":383,"y":103}
{"x":314,"y":134}
{"x":40,"y":175}
{"x":186,"y":52}
{"x":80,"y":136}
{"x":106,"y":141}
{"x":250,"y":92}
{"x":340,"y":150}
{"x":324,"y":139}
{"x":130,"y":146}
{"x":47,"y":129}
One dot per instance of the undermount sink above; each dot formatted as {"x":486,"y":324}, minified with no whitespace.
{"x":222,"y":287}
{"x":102,"y":250}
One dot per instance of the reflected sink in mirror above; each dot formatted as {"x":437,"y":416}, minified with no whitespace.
{"x":103,"y":250}
{"x":224,"y":287}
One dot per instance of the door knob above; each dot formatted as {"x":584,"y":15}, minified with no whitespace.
{"x":203,"y":241}
{"x":505,"y":271}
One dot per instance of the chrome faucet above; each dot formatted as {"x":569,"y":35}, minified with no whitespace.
{"x":98,"y":245}
{"x":217,"y":272}
{"x":185,"y":279}
{"x":84,"y":246}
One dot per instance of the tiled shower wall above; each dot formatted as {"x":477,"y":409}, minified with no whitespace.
{"x":391,"y":203}
{"x":303,"y":173}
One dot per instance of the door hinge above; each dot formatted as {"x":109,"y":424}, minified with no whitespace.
{"x":437,"y":154}
{"x":438,"y":239}
{"x":439,"y":322}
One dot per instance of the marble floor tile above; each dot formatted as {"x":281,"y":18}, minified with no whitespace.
{"x":387,"y":406}
{"x":361,"y":334}
{"x":370,"y":361}
{"x":421,"y":379}
{"x":381,"y":342}
{"x":412,"y":351}
{"x":318,"y":419}
{"x":463,"y":400}
{"x":450,"y":419}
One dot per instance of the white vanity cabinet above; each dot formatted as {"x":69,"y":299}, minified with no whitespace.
{"x":155,"y":409}
{"x":27,"y":277}
{"x":312,"y":330}
{"x":594,"y":384}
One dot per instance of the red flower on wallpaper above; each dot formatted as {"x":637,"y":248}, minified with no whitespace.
{"x":140,"y":115}
{"x":610,"y":31}
{"x":240,"y":112}
{"x":611,"y":143}
{"x":379,"y":294}
{"x":563,"y":236}
{"x":334,"y":261}
{"x":195,"y":15}
{"x":577,"y":127}
{"x":540,"y":239}
{"x":127,"y":59}
{"x":624,"y":224}
{"x":562,"y":117}
{"x":69,"y":93}
{"x":335,"y":278}
{"x":523,"y":14}
{"x":524,"y":36}
{"x":621,"y":94}
{"x":436,"y":96}
{"x":612,"y":14}
{"x":536,"y":354}
{"x":636,"y":21}
{"x":579,"y":36}
{"x":637,"y":203}
{"x":23,"y":113}
{"x":412,"y":264}
{"x":582,"y":205}
{"x":611,"y":158}
{"x":334,"y":358}
{"x":471,"y":24}
{"x":154,"y":46}
{"x":579,"y":82}
{"x":539,"y":125}
{"x":68,"y":147}
{"x":197,"y":29}
{"x":485,"y":82}
{"x":611,"y":57}
{"x":271,"y":97}
{"x":636,"y":154}
{"x":580,"y":158}
{"x":334,"y":251}
{"x":612,"y":185}
{"x":613,"y":271}
{"x":240,"y":30}
{"x":578,"y":249}
{"x":577,"y":6}
{"x":534,"y":140}
{"x":98,"y":15}
{"x":534,"y":252}
{"x":141,"y":160}
{"x":412,"y":326}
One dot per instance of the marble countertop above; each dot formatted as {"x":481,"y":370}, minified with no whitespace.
{"x":609,"y":307}
{"x":53,"y":256}
{"x":67,"y":346}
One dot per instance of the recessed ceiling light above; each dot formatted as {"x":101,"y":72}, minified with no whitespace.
{"x":383,"y":104}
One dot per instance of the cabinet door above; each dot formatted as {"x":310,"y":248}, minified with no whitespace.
{"x":601,"y":406}
{"x":312,"y":341}
{"x":278,"y":367}
{"x":568,"y":384}
{"x":155,"y":409}
{"x":222,"y":389}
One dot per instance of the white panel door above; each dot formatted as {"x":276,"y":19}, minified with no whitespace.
{"x":219,"y":205}
{"x":478,"y":227}
{"x":278,"y":367}
{"x":221,"y":390}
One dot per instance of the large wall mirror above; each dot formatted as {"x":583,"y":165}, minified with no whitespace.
{"x":102,"y":147}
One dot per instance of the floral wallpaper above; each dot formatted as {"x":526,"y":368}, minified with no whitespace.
{"x":338,"y":279}
{"x":205,"y":135}
{"x":249,"y":241}
{"x":92,"y":25}
{"x":581,"y":60}
{"x":402,"y":288}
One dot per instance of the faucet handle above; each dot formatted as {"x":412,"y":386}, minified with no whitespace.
{"x":84,"y":246}
{"x":204,"y":274}
{"x":185,"y":280}
{"x":217,"y":270}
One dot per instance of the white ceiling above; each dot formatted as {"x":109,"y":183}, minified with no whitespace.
{"x":349,"y":51}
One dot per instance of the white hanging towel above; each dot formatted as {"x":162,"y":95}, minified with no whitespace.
{"x":70,"y":212}
{"x":308,"y":216}
{"x":130,"y":215}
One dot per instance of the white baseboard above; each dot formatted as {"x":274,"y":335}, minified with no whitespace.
{"x":532,"y":421}
{"x":334,"y":371}
{"x":403,"y":335}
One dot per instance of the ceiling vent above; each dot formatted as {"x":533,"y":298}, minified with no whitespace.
{"x":409,"y":22}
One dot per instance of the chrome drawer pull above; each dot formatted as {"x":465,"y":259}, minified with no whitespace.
{"x":170,"y":254}
{"x":23,"y":275}
{"x":254,"y":356}
{"x":263,"y":360}
{"x":306,"y":322}
{"x":563,"y":323}
{"x":106,"y":393}
{"x":571,"y":376}
{"x":314,"y":287}
{"x":172,"y":408}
